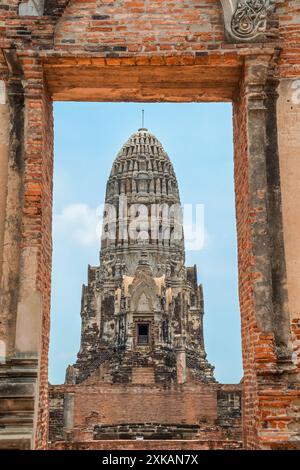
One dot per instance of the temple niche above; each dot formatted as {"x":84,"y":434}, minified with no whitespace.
{"x":142,"y":343}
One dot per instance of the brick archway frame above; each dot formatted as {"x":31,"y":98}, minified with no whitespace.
{"x":71,"y":53}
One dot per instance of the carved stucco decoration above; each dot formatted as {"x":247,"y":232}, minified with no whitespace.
{"x":143,"y":293}
{"x":246,"y":20}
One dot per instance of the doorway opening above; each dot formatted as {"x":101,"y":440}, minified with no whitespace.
{"x":182,"y":153}
{"x":142,"y":333}
{"x":198,"y":138}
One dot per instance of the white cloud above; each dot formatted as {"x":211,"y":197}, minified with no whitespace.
{"x":79,"y":223}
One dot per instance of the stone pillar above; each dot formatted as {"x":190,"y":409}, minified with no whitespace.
{"x":68,"y":412}
{"x":4,"y":152}
{"x":4,"y":149}
{"x":25,"y":283}
{"x":17,"y":375}
{"x":180,"y":359}
{"x":11,"y":202}
{"x":289,"y":151}
{"x":181,"y":366}
{"x":35,"y":272}
{"x":69,"y":397}
{"x":266,"y":335}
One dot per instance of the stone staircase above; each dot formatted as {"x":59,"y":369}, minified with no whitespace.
{"x":143,"y":375}
{"x":17,"y":393}
{"x":147,"y":431}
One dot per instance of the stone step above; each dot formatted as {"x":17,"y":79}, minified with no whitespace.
{"x":17,"y":397}
{"x":168,"y":444}
{"x":147,"y":431}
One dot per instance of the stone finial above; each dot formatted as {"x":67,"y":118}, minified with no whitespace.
{"x":246,"y":20}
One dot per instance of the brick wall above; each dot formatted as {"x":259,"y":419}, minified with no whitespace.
{"x":229,"y":406}
{"x":215,"y":410}
{"x":125,"y":27}
{"x":289,"y":36}
{"x":56,"y":414}
{"x":161,"y":26}
{"x":139,"y":403}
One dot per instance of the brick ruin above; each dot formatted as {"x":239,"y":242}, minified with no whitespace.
{"x":96,"y":415}
{"x":243,"y":51}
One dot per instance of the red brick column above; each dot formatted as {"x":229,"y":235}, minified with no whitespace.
{"x":33,"y":309}
{"x":37,"y":218}
{"x":26,"y":268}
{"x":269,"y":373}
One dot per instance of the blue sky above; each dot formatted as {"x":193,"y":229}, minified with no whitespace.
{"x":198,"y":139}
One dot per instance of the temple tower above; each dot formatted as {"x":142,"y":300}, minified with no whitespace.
{"x":142,"y":309}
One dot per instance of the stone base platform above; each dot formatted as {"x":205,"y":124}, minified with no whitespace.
{"x":147,"y":445}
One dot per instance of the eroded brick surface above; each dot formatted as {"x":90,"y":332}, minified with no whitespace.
{"x":188,"y":412}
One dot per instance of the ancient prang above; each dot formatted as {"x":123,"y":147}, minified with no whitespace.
{"x":142,"y":322}
{"x":142,"y":307}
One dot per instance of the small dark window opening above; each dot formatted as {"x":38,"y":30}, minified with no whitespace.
{"x":165,"y":330}
{"x":143,"y":333}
